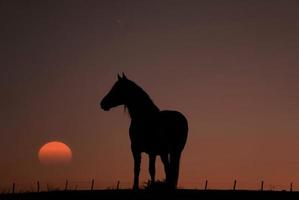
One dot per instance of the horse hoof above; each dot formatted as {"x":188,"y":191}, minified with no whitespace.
{"x":135,"y":188}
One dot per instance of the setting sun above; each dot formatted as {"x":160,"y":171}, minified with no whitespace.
{"x":55,"y":153}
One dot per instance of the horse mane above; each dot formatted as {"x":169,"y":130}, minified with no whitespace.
{"x":125,"y":108}
{"x":140,"y":97}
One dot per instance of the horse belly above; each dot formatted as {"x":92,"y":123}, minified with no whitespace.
{"x":152,"y":143}
{"x":165,"y":133}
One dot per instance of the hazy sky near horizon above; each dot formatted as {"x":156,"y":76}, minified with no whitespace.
{"x":231,"y":67}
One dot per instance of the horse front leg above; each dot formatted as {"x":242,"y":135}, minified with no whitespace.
{"x":137,"y":161}
{"x":152,"y":168}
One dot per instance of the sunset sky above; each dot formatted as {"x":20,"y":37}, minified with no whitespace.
{"x":232,"y":67}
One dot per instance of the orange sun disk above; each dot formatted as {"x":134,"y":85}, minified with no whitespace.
{"x":55,"y":153}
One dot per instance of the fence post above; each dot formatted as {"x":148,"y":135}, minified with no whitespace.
{"x":13,"y":187}
{"x":206,"y":185}
{"x":92,"y":184}
{"x":262,"y":185}
{"x":66,"y":184}
{"x":235,"y":183}
{"x":291,"y":187}
{"x":117,"y":186}
{"x":38,"y":186}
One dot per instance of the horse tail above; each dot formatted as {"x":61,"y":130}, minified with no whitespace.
{"x":174,"y":168}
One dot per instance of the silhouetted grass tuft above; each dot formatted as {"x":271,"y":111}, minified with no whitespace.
{"x":156,"y":186}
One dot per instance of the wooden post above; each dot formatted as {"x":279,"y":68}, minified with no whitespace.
{"x":235,"y":183}
{"x":206,"y":185}
{"x":13,"y":187}
{"x":117,"y":186}
{"x":262,"y":185}
{"x":66,"y":184}
{"x":38,"y":186}
{"x":92,"y":184}
{"x":291,"y":187}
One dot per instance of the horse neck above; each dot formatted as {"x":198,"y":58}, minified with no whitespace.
{"x":142,"y":110}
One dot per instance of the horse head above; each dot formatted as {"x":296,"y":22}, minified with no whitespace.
{"x":117,"y":95}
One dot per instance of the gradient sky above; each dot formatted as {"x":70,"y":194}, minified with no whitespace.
{"x":231,"y":67}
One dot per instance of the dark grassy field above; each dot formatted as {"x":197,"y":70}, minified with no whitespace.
{"x":182,"y":194}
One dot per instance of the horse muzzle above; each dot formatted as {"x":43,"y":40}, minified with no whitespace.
{"x":104,"y":106}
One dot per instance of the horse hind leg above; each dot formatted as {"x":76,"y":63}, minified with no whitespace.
{"x":165,"y":161}
{"x":174,"y":169}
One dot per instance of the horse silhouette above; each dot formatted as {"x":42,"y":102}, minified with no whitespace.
{"x":152,"y":131}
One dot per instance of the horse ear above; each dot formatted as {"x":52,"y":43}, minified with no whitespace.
{"x":119,"y":77}
{"x":124,"y":76}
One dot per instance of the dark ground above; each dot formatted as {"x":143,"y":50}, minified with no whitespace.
{"x":145,"y":194}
